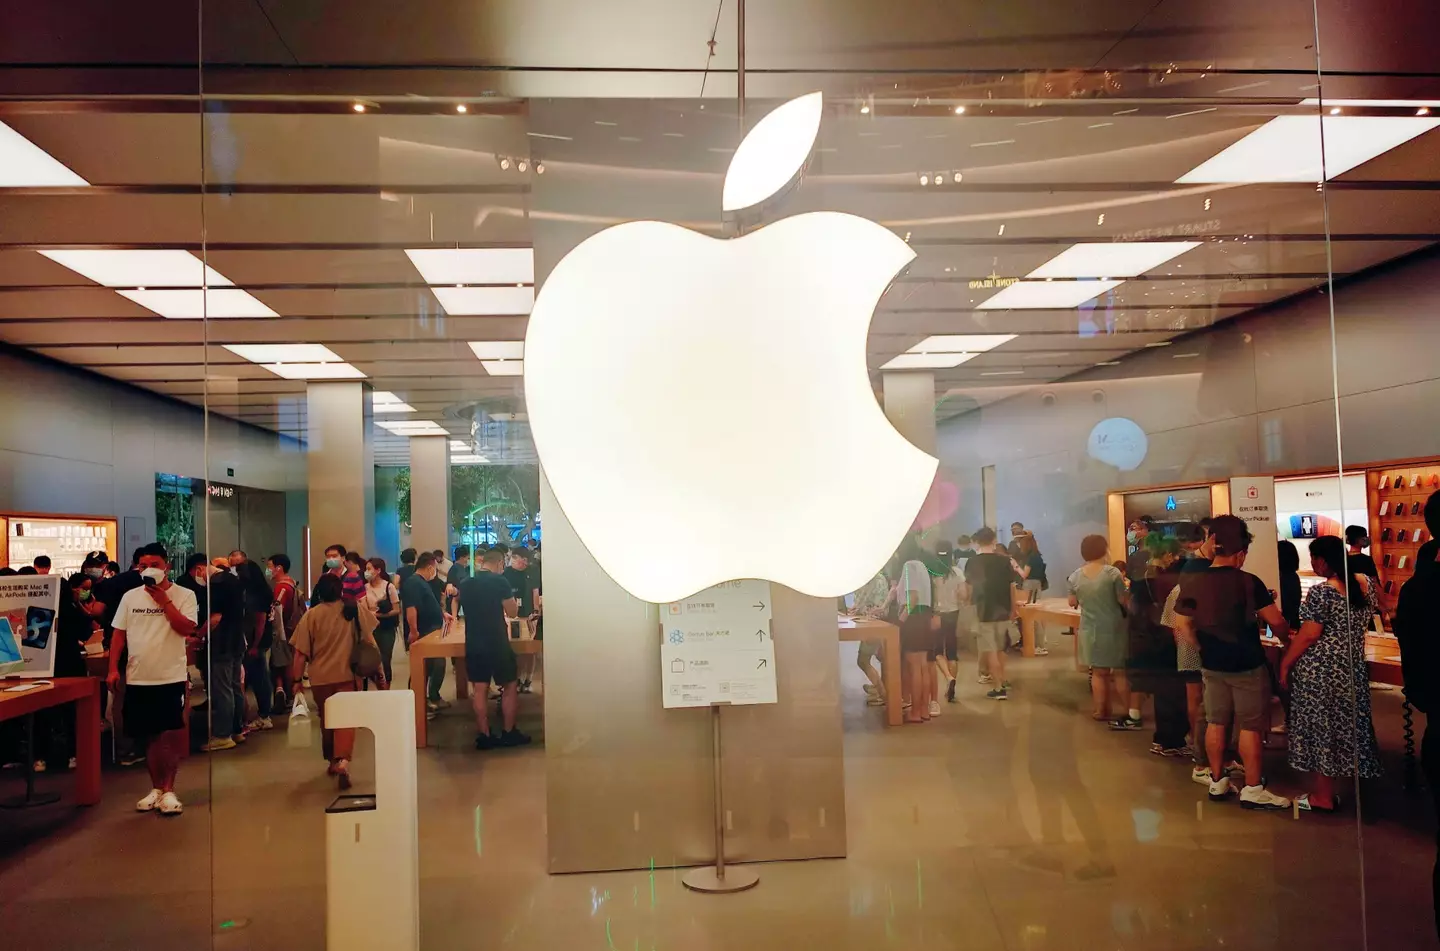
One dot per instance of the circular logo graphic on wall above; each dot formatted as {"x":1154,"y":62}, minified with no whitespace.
{"x":1118,"y":442}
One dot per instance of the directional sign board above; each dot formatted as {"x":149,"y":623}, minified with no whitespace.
{"x":716,"y":647}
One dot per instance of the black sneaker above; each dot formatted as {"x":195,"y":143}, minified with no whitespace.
{"x":950,"y":692}
{"x":512,"y":738}
{"x":485,"y":741}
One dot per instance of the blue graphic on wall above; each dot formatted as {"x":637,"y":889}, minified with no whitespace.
{"x":677,"y":637}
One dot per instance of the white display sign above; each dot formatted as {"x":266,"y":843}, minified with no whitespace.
{"x":1252,"y":498}
{"x":716,"y":647}
{"x":29,"y":607}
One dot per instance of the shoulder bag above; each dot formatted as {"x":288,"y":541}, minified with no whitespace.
{"x":364,"y":655}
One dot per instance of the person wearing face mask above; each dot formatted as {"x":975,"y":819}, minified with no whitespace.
{"x":289,"y":606}
{"x":109,"y":592}
{"x":384,"y":602}
{"x":151,"y":625}
{"x":225,"y":639}
{"x":55,"y":726}
{"x":335,"y":560}
{"x":424,"y":617}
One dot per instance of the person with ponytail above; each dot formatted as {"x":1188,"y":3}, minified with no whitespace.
{"x":1330,"y":733}
{"x":325,"y":638}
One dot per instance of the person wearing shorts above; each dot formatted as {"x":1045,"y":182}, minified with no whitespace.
{"x":488,"y":603}
{"x":1219,"y":610}
{"x":151,"y":625}
{"x":992,"y":578}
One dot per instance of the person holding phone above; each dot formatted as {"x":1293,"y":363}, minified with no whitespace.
{"x":151,"y":625}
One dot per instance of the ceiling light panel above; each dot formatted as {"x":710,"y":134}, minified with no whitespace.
{"x":1112,"y":258}
{"x":475,"y":265}
{"x":284,"y":352}
{"x":23,"y":164}
{"x":1373,"y":103}
{"x":498,"y":349}
{"x":961,"y":343}
{"x":153,"y":268}
{"x":470,"y":460}
{"x":1047,"y":295}
{"x":504,"y":367}
{"x":412,"y":427}
{"x":314,"y":371}
{"x":485,"y":301}
{"x":382,"y":401}
{"x":1287,"y":148}
{"x":195,"y":303}
{"x":928,"y":361}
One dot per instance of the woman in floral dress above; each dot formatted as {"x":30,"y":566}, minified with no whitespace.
{"x":1330,"y":733}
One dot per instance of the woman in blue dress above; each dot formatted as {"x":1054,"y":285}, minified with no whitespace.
{"x":1097,"y":588}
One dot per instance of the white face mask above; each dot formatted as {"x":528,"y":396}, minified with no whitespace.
{"x":156,"y":575}
{"x":369,"y":574}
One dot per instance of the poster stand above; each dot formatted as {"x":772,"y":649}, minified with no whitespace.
{"x":719,"y":878}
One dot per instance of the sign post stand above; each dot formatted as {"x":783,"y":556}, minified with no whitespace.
{"x":717,"y":877}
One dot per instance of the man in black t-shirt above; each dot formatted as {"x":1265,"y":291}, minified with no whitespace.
{"x":423,"y":617}
{"x":488,"y":602}
{"x":1220,"y":609}
{"x":992,"y":578}
{"x":524,"y":579}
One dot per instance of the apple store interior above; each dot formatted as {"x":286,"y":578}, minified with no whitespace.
{"x":933,"y":475}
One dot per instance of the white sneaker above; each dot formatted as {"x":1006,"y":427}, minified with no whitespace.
{"x":934,"y":708}
{"x":149,"y":802}
{"x":170,"y":805}
{"x":1201,"y":775}
{"x":1258,"y":797}
{"x":264,"y":723}
{"x":1042,"y":652}
{"x":1220,"y":788}
{"x":300,"y":710}
{"x":870,"y":689}
{"x":985,"y":679}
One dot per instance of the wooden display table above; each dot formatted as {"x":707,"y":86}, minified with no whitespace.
{"x":84,"y":692}
{"x":449,"y":642}
{"x":1049,"y":611}
{"x":873,"y":629}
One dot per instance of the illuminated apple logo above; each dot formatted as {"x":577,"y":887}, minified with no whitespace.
{"x":701,"y":407}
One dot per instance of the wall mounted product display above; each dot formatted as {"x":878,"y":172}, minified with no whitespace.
{"x":1252,"y":498}
{"x":1396,"y":497}
{"x":28,"y":607}
{"x":66,"y":539}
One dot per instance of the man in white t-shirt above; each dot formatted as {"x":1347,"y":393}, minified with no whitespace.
{"x":152,"y":623}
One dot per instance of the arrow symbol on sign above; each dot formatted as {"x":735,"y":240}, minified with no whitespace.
{"x":759,"y":605}
{"x":763,"y":663}
{"x":760,"y":635}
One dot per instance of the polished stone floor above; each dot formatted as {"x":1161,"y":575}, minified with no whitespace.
{"x":1020,"y":826}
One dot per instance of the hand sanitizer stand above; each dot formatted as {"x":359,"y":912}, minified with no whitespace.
{"x":372,"y":843}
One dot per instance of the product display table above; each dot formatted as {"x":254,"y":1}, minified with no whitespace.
{"x":873,"y":629}
{"x":84,"y":692}
{"x":449,"y":642}
{"x":1047,"y":611}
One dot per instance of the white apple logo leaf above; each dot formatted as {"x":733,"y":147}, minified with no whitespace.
{"x":702,"y":407}
{"x":772,"y":153}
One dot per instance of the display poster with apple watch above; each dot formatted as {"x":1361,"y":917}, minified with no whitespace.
{"x":1252,"y":498}
{"x":716,"y":647}
{"x":28,"y":607}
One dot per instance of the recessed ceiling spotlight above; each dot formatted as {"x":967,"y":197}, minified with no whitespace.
{"x":924,"y":180}
{"x":1002,"y":231}
{"x":1334,"y":110}
{"x":461,"y":108}
{"x":958,"y":178}
{"x":358,"y":106}
{"x":1100,"y":219}
{"x":939,"y":178}
{"x":865,"y":110}
{"x":1207,"y":204}
{"x":1423,"y":111}
{"x":959,"y":110}
{"x":539,"y":168}
{"x":523,"y":165}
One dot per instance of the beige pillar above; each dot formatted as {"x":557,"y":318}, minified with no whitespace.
{"x":910,"y":405}
{"x":340,"y":460}
{"x":430,"y":493}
